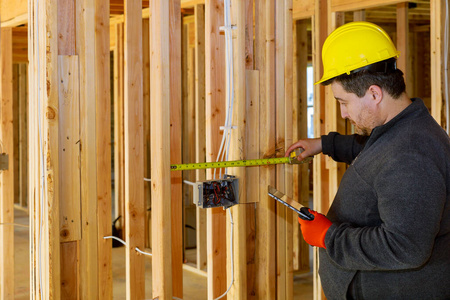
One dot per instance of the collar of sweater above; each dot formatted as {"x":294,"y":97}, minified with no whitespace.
{"x":412,"y":111}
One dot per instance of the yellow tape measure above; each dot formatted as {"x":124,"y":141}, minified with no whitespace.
{"x":292,"y":159}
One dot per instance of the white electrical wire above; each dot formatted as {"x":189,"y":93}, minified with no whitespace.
{"x":189,"y":182}
{"x":142,"y":252}
{"x":147,"y":179}
{"x":446,"y":41}
{"x":115,"y":238}
{"x":125,"y":244}
{"x":225,"y":143}
{"x":137,"y":250}
{"x":231,"y":258}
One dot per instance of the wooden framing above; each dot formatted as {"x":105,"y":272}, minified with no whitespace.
{"x":436,"y":23}
{"x":288,"y":90}
{"x":175,"y":145}
{"x":214,"y":118}
{"x":238,"y":152}
{"x":23,"y":135}
{"x":6,"y":176}
{"x":146,"y":122}
{"x":13,"y":13}
{"x":44,"y":188}
{"x":134,"y":169}
{"x":320,"y":181}
{"x":160,"y":156}
{"x":404,"y":60}
{"x":119,"y":138}
{"x":69,"y":163}
{"x":299,"y":119}
{"x":200,"y":126}
{"x":62,"y":132}
{"x":103,"y":145}
{"x":265,"y":257}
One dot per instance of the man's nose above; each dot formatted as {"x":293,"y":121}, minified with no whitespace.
{"x":344,"y":113}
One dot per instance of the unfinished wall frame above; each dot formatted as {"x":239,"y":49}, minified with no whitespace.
{"x":69,"y":269}
{"x":67,"y":69}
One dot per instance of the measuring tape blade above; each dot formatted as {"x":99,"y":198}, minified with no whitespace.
{"x":233,"y":163}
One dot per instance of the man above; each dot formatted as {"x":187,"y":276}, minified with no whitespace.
{"x":387,"y":233}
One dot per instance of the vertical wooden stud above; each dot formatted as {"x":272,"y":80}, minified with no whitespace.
{"x":403,"y":61}
{"x":320,"y":188}
{"x":134,"y":136}
{"x":88,"y":245}
{"x":15,"y":132}
{"x":265,"y":210}
{"x":160,"y":155}
{"x":288,"y":91}
{"x":119,"y":183}
{"x":237,"y":152}
{"x":436,"y":6}
{"x":359,"y":15}
{"x":332,"y":117}
{"x":280,"y":111}
{"x":300,"y":127}
{"x":200,"y":126}
{"x":251,"y":146}
{"x":146,"y":120}
{"x":186,"y":143}
{"x":214,"y":118}
{"x":6,"y":176}
{"x":69,"y":152}
{"x":103,"y":146}
{"x":23,"y":133}
{"x":44,"y":187}
{"x":70,"y":210}
{"x":175,"y":145}
{"x":252,"y":86}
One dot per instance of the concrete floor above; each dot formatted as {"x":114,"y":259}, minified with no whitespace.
{"x":194,"y":285}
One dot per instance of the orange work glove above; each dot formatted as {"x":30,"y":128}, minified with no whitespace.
{"x":314,"y":231}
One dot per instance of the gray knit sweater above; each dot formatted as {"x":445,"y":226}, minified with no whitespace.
{"x":390,"y":237}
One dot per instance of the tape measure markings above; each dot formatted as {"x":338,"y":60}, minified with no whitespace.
{"x":234,"y":163}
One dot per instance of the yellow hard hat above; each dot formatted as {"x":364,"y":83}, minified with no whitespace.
{"x":353,"y":46}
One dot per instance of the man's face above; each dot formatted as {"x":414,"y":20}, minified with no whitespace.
{"x":359,"y":111}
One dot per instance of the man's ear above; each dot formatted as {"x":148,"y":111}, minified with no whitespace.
{"x":376,"y":93}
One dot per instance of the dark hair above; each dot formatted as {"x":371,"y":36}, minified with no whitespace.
{"x":359,"y":81}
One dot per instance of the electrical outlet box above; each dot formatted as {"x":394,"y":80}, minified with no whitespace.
{"x":4,"y":162}
{"x":217,"y":193}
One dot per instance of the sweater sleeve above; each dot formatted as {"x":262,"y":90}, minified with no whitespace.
{"x":343,"y":148}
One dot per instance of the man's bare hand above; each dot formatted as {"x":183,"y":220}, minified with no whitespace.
{"x":311,"y":147}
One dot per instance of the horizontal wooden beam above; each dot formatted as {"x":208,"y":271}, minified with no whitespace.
{"x":191,"y":3}
{"x":16,"y":21}
{"x":12,"y":11}
{"x":350,"y":5}
{"x":302,"y":9}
